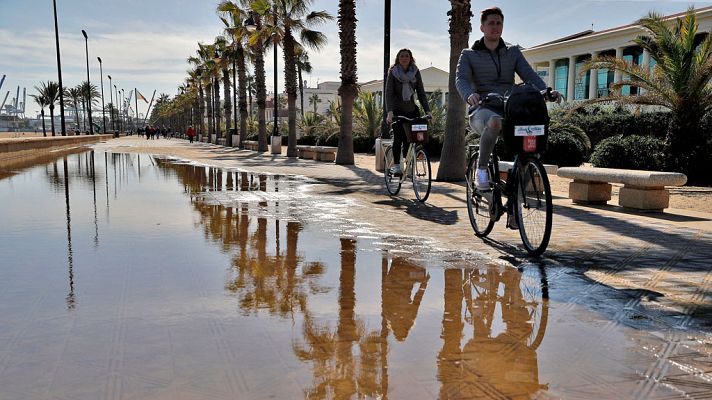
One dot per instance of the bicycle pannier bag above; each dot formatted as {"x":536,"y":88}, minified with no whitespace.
{"x":526,"y":126}
{"x":417,"y":130}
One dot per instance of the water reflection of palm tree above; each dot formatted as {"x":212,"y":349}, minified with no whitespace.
{"x":500,"y":360}
{"x":338,"y":372}
{"x":400,"y":303}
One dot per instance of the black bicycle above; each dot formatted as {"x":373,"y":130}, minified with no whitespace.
{"x":526,"y":186}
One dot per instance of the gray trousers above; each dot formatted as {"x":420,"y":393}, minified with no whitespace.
{"x":482,"y":122}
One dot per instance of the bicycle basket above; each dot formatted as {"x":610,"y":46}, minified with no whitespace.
{"x":417,"y":131}
{"x":526,"y":121}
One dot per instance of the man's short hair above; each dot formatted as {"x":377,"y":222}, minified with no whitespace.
{"x":490,"y":11}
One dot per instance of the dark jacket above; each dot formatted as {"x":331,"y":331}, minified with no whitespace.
{"x":394,"y":98}
{"x":483,"y":71}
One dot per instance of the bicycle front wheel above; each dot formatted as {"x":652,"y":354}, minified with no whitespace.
{"x":421,"y":174}
{"x":533,"y":209}
{"x":393,"y":183}
{"x":479,"y":205}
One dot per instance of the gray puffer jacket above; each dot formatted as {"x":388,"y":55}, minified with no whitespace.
{"x":483,"y":71}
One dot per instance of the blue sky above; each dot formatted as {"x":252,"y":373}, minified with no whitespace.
{"x":144,"y":43}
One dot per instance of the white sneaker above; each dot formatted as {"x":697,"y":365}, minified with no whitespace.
{"x":396,"y":170}
{"x":482,"y":179}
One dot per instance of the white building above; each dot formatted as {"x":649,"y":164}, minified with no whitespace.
{"x":433,"y":79}
{"x":559,"y":62}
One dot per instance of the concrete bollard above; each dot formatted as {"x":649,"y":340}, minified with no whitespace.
{"x":276,"y":146}
{"x":235,"y":140}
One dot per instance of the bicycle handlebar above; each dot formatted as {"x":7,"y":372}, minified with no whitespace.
{"x":492,"y":97}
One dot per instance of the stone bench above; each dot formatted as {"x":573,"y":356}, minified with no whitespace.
{"x":306,"y":152}
{"x":251,"y":145}
{"x":325,"y":153}
{"x":317,"y":153}
{"x":642,"y":190}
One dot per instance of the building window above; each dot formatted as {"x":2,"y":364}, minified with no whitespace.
{"x":581,"y":84}
{"x":561,"y":76}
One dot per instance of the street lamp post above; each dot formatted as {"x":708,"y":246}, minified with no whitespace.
{"x":59,"y":71}
{"x":86,"y":44}
{"x":103,"y":107}
{"x":275,"y":128}
{"x":113,"y":105}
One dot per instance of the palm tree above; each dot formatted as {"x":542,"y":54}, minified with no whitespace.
{"x":50,"y":92}
{"x":90,"y":95}
{"x":452,"y":160}
{"x":236,"y":29}
{"x":290,"y":18}
{"x":75,"y":96}
{"x":680,"y":82}
{"x":368,"y":114}
{"x":313,"y":100}
{"x":41,"y":101}
{"x":303,"y":64}
{"x":349,"y":87}
{"x":257,"y":45}
{"x":223,"y":65}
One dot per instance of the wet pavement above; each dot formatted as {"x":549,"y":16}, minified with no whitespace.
{"x":216,"y":273}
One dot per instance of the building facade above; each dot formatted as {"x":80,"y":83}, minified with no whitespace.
{"x":560,"y":62}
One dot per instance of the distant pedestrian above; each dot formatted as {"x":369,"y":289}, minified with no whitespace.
{"x":190,"y":132}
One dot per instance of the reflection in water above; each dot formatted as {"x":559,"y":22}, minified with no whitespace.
{"x":400,"y":301}
{"x":262,"y":284}
{"x":508,"y":325}
{"x":71,"y":298}
{"x":506,"y":315}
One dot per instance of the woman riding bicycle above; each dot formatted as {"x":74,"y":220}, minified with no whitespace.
{"x":489,"y":67}
{"x":403,"y":82}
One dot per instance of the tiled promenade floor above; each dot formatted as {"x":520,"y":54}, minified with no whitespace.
{"x":620,"y":279}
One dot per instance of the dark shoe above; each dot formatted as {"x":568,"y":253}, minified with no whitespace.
{"x":512,"y":222}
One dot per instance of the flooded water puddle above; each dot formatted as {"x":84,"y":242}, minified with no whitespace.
{"x":131,"y":276}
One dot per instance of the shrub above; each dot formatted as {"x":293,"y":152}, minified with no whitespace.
{"x":567,"y":145}
{"x":629,"y":152}
{"x":307,"y":140}
{"x":363,"y":144}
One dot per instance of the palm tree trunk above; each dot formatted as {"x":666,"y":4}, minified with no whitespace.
{"x":44,"y":129}
{"x":209,"y":102}
{"x":452,"y":160}
{"x":218,"y":113}
{"x":228,"y":103}
{"x":51,"y":117}
{"x":261,"y":99}
{"x":201,"y":113}
{"x":291,"y":85}
{"x":242,"y":81}
{"x":349,"y":88}
{"x":301,"y":89}
{"x":76,"y":113}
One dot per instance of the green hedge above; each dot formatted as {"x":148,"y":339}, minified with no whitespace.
{"x":567,"y":146}
{"x":600,"y":125}
{"x":629,"y":152}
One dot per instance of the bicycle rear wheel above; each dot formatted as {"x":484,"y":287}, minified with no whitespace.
{"x":533,"y":209}
{"x":481,"y":207}
{"x":393,"y":183}
{"x":421,"y":176}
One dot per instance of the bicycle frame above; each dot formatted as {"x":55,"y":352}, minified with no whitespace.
{"x":407,"y":159}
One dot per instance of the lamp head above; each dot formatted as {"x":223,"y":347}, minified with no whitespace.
{"x":109,"y":76}
{"x":85,"y":34}
{"x":99,"y":58}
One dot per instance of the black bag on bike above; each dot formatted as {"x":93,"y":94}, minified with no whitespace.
{"x":526,"y":120}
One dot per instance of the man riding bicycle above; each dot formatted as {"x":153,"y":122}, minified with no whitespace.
{"x":489,"y":67}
